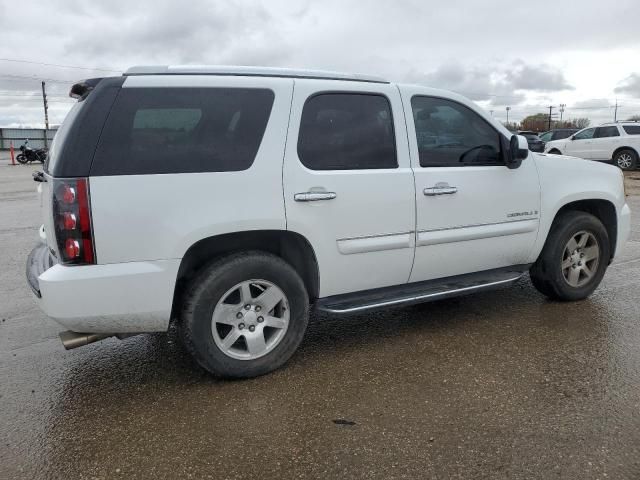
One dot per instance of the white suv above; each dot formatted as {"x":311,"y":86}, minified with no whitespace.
{"x":234,"y":200}
{"x":611,"y":142}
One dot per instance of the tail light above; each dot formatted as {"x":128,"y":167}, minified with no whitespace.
{"x":72,"y":221}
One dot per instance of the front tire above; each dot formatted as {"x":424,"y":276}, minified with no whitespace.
{"x":626,"y":159}
{"x":244,"y":315}
{"x":574,"y":258}
{"x":22,"y":159}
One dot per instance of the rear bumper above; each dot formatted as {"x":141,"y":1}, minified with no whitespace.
{"x":128,"y":297}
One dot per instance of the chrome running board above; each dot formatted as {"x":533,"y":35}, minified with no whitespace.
{"x":419,"y":292}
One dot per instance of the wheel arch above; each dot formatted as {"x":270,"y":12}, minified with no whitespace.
{"x":555,"y":151}
{"x":619,"y":149}
{"x":603,"y":210}
{"x":290,"y":246}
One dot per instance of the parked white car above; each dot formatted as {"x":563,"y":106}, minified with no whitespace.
{"x":611,"y":142}
{"x":233,"y":200}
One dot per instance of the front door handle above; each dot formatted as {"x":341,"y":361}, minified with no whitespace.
{"x":313,"y":196}
{"x":441,"y":188}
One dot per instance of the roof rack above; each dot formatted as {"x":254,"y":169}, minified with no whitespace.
{"x":249,"y":72}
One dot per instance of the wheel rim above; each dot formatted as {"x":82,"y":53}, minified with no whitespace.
{"x":624,"y":160}
{"x":580,"y":259}
{"x":250,"y":319}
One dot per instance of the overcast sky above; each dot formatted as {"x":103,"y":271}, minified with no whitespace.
{"x":526,"y":55}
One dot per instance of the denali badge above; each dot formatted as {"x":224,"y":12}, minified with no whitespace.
{"x":522,"y":214}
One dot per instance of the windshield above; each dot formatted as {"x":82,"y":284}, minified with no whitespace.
{"x":59,"y":138}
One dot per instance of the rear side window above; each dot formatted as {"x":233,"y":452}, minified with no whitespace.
{"x":450,"y":134}
{"x":632,"y":129}
{"x":342,"y":131}
{"x":603,"y":132}
{"x":182,"y":130}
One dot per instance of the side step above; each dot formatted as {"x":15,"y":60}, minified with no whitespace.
{"x":411,"y":293}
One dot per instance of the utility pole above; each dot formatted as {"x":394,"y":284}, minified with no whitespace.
{"x":551,"y":107}
{"x":491,"y":112}
{"x":562,"y":105}
{"x":46,"y":115}
{"x":508,"y":108}
{"x":615,"y":112}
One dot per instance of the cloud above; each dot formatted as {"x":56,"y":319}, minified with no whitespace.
{"x":630,"y":85}
{"x":498,"y":84}
{"x":540,"y":78}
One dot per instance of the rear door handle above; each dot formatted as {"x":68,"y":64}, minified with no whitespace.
{"x":441,"y":188}
{"x":313,"y":196}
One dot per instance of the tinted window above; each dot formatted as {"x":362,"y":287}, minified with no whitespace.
{"x":632,"y":129}
{"x":585,"y":134}
{"x":602,"y":132}
{"x":177,"y":130}
{"x":560,"y":134}
{"x":341,"y":131}
{"x":450,"y":134}
{"x":531,"y":136}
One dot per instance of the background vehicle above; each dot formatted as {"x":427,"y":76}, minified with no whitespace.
{"x":232,"y":202}
{"x":557,"y":134}
{"x":610,"y":142}
{"x":534,"y":142}
{"x":29,"y":155}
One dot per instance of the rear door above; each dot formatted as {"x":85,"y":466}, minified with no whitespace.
{"x":348,"y":184}
{"x":605,"y":140}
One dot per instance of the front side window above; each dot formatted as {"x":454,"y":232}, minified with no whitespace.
{"x":182,"y":130}
{"x":584,"y":134}
{"x":450,"y":134}
{"x":345,"y":131}
{"x":545,"y":137}
{"x":604,"y":132}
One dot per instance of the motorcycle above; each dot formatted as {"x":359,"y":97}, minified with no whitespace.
{"x":30,"y":155}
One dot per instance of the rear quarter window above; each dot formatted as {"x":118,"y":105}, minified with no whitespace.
{"x":182,"y":130}
{"x":632,"y":129}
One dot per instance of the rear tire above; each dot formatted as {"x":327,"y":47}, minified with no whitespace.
{"x":574,"y":258}
{"x":244,"y":315}
{"x":626,"y":159}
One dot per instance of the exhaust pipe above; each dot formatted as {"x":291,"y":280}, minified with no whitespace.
{"x":71,"y":340}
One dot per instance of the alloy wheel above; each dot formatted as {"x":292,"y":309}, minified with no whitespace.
{"x":250,"y":319}
{"x":580,"y":259}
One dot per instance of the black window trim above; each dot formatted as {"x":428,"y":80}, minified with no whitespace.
{"x":503,"y":141}
{"x":349,"y":92}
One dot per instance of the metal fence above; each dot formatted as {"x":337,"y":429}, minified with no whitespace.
{"x":17,"y":136}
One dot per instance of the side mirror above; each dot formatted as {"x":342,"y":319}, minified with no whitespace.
{"x":572,"y":137}
{"x":518,"y":151}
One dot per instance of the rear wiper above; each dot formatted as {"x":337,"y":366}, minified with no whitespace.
{"x":38,"y":176}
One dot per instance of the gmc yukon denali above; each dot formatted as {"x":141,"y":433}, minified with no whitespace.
{"x":236,"y":200}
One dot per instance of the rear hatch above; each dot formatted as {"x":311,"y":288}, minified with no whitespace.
{"x":71,"y":154}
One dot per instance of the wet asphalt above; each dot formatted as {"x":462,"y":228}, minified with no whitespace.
{"x":497,"y":385}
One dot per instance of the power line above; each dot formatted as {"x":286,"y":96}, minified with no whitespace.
{"x":94,"y":69}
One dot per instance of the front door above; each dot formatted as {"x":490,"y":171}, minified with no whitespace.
{"x":473,"y":213}
{"x":581,"y":144}
{"x":348,"y":183}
